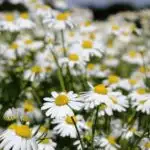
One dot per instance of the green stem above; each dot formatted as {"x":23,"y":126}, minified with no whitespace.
{"x":63,"y":42}
{"x":59,"y":73}
{"x":94,"y":126}
{"x":78,"y":133}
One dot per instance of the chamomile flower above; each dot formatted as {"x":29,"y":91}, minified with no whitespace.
{"x":87,"y":48}
{"x":19,"y":138}
{"x":66,"y":126}
{"x":107,"y":142}
{"x":73,"y":60}
{"x":61,"y":104}
{"x":47,"y":144}
{"x":96,"y":96}
{"x":30,"y":110}
{"x":10,"y":114}
{"x":59,"y":20}
{"x":133,"y":57}
{"x":128,"y":132}
{"x":8,"y":23}
{"x":87,"y":27}
{"x":24,"y":21}
{"x":36,"y":72}
{"x":145,"y":144}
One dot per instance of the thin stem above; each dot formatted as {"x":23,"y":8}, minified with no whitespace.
{"x":94,"y":126}
{"x":78,"y":133}
{"x":63,"y":42}
{"x":59,"y":72}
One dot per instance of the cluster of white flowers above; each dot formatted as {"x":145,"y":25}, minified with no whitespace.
{"x":68,"y":81}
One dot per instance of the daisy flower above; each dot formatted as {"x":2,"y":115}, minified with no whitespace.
{"x":36,"y":72}
{"x":58,"y":20}
{"x":24,"y":21}
{"x":65,"y":126}
{"x":8,"y":23}
{"x":20,"y":137}
{"x":145,"y":144}
{"x":47,"y":144}
{"x":133,"y":57}
{"x":87,"y":48}
{"x":107,"y":142}
{"x":61,"y":104}
{"x":10,"y":114}
{"x":129,"y":132}
{"x":73,"y":60}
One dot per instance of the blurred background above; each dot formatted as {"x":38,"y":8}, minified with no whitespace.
{"x":101,"y":8}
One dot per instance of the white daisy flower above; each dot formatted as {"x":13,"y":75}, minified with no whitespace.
{"x":47,"y":144}
{"x":58,"y":21}
{"x":107,"y":142}
{"x":36,"y":72}
{"x":87,"y":48}
{"x":10,"y":114}
{"x":145,"y":144}
{"x":128,"y":132}
{"x":30,"y":110}
{"x":61,"y":104}
{"x":9,"y":23}
{"x":24,"y":22}
{"x":73,"y":60}
{"x":119,"y":101}
{"x":133,"y":57}
{"x":19,"y":138}
{"x":66,"y":127}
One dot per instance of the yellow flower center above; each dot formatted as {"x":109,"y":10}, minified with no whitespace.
{"x":61,"y":100}
{"x":133,"y":130}
{"x":132,"y":81}
{"x":90,"y":66}
{"x":132,"y":53}
{"x":115,"y":27}
{"x":87,"y":23}
{"x":14,"y":46}
{"x":9,"y":17}
{"x":24,"y":15}
{"x":29,"y":41}
{"x":142,"y":69}
{"x":74,"y":57}
{"x":110,"y":43}
{"x":12,"y":127}
{"x":147,"y":145}
{"x":36,"y":69}
{"x":100,"y":89}
{"x":112,"y":140}
{"x":69,"y":120}
{"x":45,"y":141}
{"x":28,"y":107}
{"x":62,"y":16}
{"x":141,"y":91}
{"x":87,"y":44}
{"x":92,"y":36}
{"x":23,"y":131}
{"x":113,"y":79}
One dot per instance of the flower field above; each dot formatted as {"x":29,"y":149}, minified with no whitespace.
{"x":69,"y":82}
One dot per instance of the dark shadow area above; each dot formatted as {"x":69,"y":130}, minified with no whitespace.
{"x":101,"y":14}
{"x":6,"y":6}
